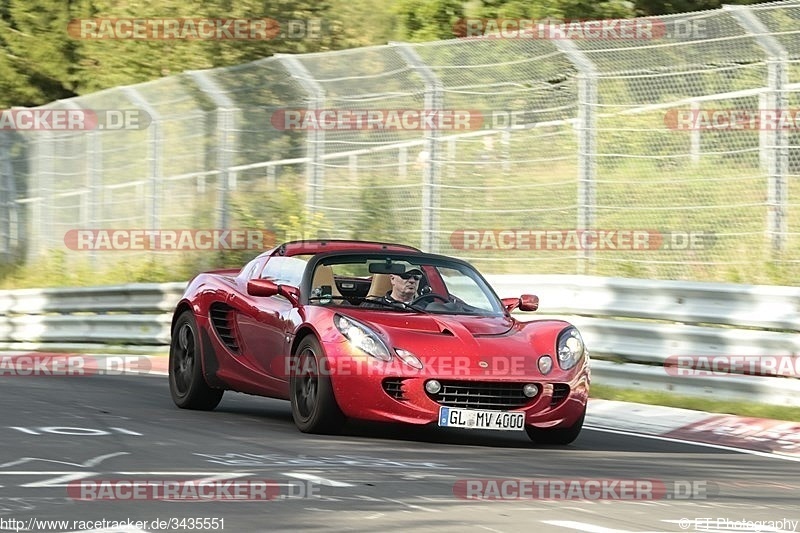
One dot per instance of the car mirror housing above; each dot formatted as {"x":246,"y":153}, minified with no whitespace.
{"x":266,"y":288}
{"x":262,"y":287}
{"x":526,"y":302}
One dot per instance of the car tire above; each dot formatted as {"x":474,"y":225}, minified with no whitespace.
{"x":187,"y":385}
{"x":314,"y":407}
{"x":558,"y":436}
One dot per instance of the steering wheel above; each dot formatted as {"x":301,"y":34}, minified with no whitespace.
{"x":429,"y":296}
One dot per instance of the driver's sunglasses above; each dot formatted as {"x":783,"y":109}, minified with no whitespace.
{"x":415,"y":277}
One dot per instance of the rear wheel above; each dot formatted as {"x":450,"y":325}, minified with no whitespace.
{"x":187,"y":385}
{"x":556,"y":436}
{"x":314,"y":407}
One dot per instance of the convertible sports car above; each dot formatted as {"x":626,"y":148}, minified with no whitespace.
{"x":324,"y":325}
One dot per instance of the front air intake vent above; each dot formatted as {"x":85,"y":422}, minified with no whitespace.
{"x":560,"y":393}
{"x":481,"y":395}
{"x":394,"y":388}
{"x":223,"y":322}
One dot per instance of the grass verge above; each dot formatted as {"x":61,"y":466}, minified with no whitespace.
{"x":758,"y":410}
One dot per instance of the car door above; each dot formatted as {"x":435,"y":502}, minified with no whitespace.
{"x":264,"y":324}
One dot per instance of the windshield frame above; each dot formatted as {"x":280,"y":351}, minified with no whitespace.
{"x":418,"y":258}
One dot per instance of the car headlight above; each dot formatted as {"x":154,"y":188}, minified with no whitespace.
{"x":570,"y":348}
{"x":362,"y":337}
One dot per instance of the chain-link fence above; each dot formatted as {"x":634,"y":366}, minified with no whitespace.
{"x":612,"y":155}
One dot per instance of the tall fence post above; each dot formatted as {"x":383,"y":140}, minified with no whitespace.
{"x":7,"y":197}
{"x":431,"y":173}
{"x":90,"y":212}
{"x":154,"y":157}
{"x":226,"y":124}
{"x":315,"y":149}
{"x":41,"y":164}
{"x":587,"y":141}
{"x":777,"y":138}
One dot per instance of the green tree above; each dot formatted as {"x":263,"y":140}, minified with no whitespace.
{"x":661,"y":7}
{"x":41,"y":61}
{"x":564,"y":9}
{"x":429,"y":20}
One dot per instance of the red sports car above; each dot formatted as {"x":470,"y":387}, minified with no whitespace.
{"x":377,"y":331}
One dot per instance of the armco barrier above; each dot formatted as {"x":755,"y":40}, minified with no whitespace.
{"x":638,"y":322}
{"x":135,"y":316}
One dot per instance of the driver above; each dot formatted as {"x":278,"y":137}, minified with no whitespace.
{"x":404,"y":288}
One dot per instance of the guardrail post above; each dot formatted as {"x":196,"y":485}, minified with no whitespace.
{"x":587,"y":141}
{"x":432,"y":166}
{"x":154,"y":156}
{"x":315,"y":148}
{"x":777,"y":137}
{"x":226,"y":124}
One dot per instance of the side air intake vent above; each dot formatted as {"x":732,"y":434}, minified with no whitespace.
{"x":222,"y":320}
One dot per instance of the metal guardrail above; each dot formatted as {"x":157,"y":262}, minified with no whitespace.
{"x":639,"y":323}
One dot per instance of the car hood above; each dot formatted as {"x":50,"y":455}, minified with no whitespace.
{"x":447,"y":325}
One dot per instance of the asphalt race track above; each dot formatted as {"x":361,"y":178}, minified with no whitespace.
{"x":59,"y":431}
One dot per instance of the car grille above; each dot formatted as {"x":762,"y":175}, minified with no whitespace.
{"x":560,"y":393}
{"x":222,"y":319}
{"x":481,"y":395}
{"x":394,"y":388}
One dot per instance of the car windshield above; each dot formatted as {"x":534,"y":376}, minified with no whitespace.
{"x":399,"y":283}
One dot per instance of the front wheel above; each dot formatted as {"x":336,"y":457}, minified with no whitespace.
{"x":558,"y":436}
{"x":187,"y":385}
{"x":314,"y":407}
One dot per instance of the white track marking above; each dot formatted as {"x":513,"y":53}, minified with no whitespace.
{"x":86,"y":464}
{"x":317,"y":479}
{"x":590,"y":528}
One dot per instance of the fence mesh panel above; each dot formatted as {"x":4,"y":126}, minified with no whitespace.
{"x":598,"y":155}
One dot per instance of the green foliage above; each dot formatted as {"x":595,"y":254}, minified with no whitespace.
{"x":562,"y":9}
{"x":41,"y":62}
{"x":759,"y":410}
{"x":429,"y":20}
{"x":661,"y":7}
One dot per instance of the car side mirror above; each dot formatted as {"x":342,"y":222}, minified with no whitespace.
{"x":267,"y":288}
{"x":526,"y":302}
{"x":262,"y":287}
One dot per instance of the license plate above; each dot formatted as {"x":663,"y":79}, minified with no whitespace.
{"x":454,"y":417}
